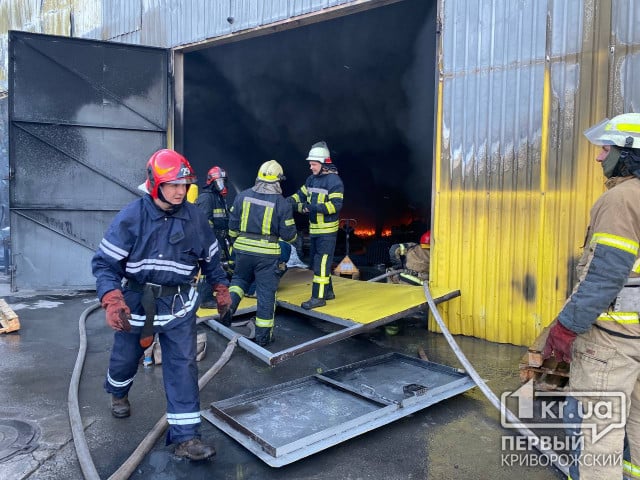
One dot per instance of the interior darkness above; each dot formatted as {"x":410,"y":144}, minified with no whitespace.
{"x":364,"y":83}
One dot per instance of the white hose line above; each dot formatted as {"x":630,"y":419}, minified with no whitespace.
{"x":515,"y":421}
{"x":77,"y":429}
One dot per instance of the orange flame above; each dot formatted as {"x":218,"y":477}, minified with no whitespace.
{"x":369,"y":232}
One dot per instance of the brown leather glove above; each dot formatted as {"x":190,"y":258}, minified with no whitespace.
{"x":117,"y":311}
{"x":559,"y":343}
{"x":223,"y":298}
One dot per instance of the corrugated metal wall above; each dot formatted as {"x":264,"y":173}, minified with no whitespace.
{"x":519,"y":82}
{"x":158,"y":23}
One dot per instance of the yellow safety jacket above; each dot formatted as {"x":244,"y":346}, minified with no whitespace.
{"x":322,"y":196}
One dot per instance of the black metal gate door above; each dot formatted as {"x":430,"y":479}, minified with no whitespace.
{"x":84,"y":116}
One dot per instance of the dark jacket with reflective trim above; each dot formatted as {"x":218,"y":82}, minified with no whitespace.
{"x":145,"y":244}
{"x":609,"y":258}
{"x":257,"y":220}
{"x":322,"y":195}
{"x":214,"y":206}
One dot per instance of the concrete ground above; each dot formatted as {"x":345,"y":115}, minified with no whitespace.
{"x":459,"y":438}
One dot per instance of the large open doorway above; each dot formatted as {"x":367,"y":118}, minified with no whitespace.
{"x":363,"y":82}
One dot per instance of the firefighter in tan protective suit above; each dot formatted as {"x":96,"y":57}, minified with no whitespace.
{"x":412,"y":259}
{"x":598,"y":330}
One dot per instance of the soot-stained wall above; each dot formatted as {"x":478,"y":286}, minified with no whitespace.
{"x":364,"y":83}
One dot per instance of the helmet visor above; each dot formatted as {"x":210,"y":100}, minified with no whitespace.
{"x":600,"y":133}
{"x":608,"y":132}
{"x":220,"y":184}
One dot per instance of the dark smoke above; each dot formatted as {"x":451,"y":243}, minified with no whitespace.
{"x":363,"y":82}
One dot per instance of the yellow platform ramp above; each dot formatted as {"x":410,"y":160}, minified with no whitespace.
{"x":359,"y":307}
{"x":356,"y":301}
{"x":247,"y":305}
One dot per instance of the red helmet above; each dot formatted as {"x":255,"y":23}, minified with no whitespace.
{"x":219,"y":176}
{"x":425,"y":239}
{"x":168,"y":166}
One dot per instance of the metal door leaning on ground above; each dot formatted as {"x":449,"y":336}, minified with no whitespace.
{"x":144,"y":268}
{"x":598,"y":330}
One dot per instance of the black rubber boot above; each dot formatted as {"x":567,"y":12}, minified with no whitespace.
{"x":330,"y":296}
{"x":120,"y":407}
{"x":194,"y":449}
{"x":313,"y":303}
{"x":264,"y":336}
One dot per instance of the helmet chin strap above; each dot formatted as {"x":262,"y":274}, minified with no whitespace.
{"x":629,"y":163}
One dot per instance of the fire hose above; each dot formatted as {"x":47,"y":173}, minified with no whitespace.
{"x":77,"y":430}
{"x":495,"y":401}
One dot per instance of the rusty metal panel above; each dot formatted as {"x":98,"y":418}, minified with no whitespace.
{"x":514,"y":180}
{"x":56,"y":17}
{"x":80,"y":133}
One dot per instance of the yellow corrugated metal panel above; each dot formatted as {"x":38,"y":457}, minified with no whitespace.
{"x":514,"y":179}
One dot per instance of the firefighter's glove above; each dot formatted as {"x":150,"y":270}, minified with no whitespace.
{"x":223,"y":298}
{"x":117,"y":311}
{"x":559,"y":343}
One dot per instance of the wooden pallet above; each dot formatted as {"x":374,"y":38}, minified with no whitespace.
{"x":547,"y":375}
{"x":9,"y":321}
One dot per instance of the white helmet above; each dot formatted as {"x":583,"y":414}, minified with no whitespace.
{"x":622,"y":131}
{"x":319,"y":153}
{"x":271,"y":171}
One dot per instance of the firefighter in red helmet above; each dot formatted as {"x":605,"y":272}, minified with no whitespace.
{"x":213,"y":203}
{"x":144,"y":269}
{"x":425,"y":239}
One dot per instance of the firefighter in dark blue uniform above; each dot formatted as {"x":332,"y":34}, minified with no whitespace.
{"x":144,"y":268}
{"x":212,"y":201}
{"x":321,"y":197}
{"x":258,"y":218}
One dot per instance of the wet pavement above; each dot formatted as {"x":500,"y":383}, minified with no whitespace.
{"x":458,"y":438}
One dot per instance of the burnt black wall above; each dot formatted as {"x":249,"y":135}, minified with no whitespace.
{"x":363,"y":82}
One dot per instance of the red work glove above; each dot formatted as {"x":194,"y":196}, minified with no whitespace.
{"x":559,"y":343}
{"x":118,"y":313}
{"x":223,"y":298}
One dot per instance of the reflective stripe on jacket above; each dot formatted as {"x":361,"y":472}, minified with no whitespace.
{"x":322,"y":195}
{"x":257,"y":220}
{"x":610,"y":256}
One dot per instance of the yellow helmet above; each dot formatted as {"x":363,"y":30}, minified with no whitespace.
{"x":271,"y":171}
{"x":622,"y":131}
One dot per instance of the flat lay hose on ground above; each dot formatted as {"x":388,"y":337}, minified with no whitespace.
{"x":515,"y":421}
{"x":77,"y":430}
